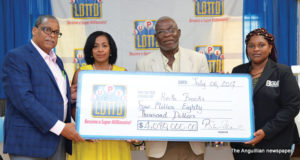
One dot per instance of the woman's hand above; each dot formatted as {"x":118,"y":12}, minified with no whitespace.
{"x":73,"y":93}
{"x":132,"y":141}
{"x":135,"y":142}
{"x":258,"y":136}
{"x":92,"y":140}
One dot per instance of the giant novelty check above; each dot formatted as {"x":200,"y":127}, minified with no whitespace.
{"x":164,"y":106}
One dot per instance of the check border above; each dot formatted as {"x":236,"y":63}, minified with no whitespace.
{"x":162,"y":138}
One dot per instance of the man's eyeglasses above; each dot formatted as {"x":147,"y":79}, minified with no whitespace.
{"x":49,"y":31}
{"x":164,"y":32}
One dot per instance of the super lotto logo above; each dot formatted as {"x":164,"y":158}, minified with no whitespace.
{"x":78,"y":58}
{"x":86,"y":9}
{"x":109,"y":101}
{"x":214,"y":55}
{"x":144,"y":34}
{"x":208,"y":8}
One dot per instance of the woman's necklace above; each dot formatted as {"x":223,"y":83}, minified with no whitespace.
{"x":256,"y":75}
{"x":109,"y":67}
{"x":259,"y":69}
{"x":253,"y":75}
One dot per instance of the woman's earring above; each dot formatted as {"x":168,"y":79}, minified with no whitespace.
{"x":110,"y":55}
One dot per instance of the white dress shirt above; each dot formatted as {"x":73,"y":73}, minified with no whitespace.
{"x":59,"y":76}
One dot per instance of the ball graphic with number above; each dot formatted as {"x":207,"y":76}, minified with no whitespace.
{"x":217,"y":52}
{"x":148,"y":24}
{"x":140,"y":28}
{"x":209,"y":50}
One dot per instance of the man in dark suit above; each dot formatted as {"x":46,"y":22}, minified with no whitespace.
{"x":37,"y":120}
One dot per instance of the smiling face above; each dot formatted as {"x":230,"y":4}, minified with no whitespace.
{"x":101,"y":50}
{"x":43,"y":40}
{"x":258,"y":49}
{"x":167,"y":35}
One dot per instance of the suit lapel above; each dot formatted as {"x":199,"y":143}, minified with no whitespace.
{"x":35,"y":54}
{"x":59,"y":63}
{"x":61,"y":66}
{"x":157,"y":64}
{"x":268,"y":70}
{"x":245,"y":69}
{"x":185,"y":61}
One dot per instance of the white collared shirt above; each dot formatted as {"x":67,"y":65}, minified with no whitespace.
{"x":175,"y":65}
{"x":60,"y":79}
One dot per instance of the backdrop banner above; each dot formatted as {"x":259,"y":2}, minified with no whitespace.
{"x":210,"y":27}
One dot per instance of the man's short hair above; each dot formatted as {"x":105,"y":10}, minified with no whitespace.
{"x":165,"y":18}
{"x":43,"y":18}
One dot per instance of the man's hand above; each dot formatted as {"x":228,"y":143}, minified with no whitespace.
{"x":217,"y":144}
{"x":258,"y":136}
{"x":70,"y":133}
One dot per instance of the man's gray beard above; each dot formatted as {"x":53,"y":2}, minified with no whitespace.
{"x":169,"y":49}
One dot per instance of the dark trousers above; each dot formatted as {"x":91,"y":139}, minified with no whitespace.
{"x":59,"y":154}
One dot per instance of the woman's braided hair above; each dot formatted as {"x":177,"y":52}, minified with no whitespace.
{"x":267,"y":36}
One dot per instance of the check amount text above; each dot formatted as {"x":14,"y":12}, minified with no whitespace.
{"x":167,"y":125}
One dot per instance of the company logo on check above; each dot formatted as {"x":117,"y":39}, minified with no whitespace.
{"x":109,"y":101}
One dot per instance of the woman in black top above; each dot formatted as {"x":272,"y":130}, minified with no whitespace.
{"x":276,"y":100}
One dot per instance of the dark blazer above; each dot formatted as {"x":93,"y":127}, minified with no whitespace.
{"x":34,"y":104}
{"x":276,"y":100}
